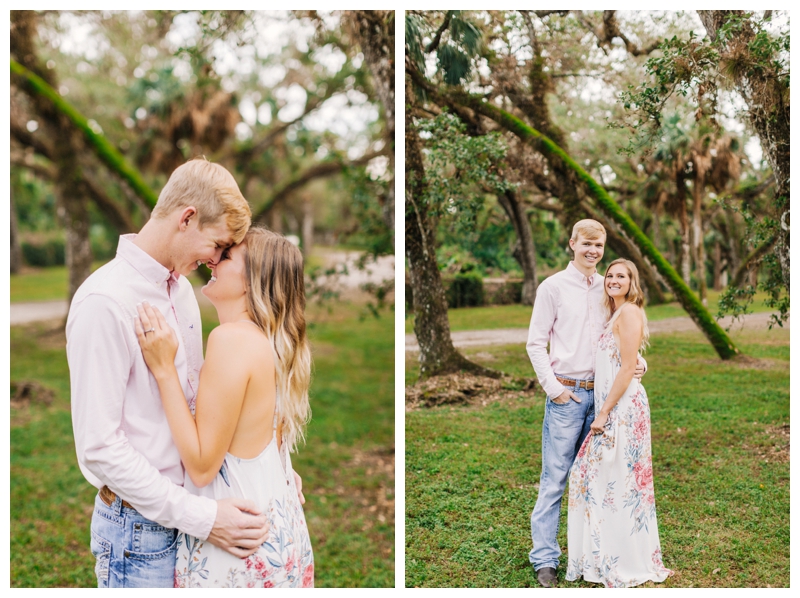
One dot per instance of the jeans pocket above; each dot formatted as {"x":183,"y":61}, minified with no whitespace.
{"x":152,"y":541}
{"x":101,"y":549}
{"x":552,"y":402}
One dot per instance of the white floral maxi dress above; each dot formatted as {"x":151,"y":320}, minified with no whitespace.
{"x":612,"y":533}
{"x":285,"y":559}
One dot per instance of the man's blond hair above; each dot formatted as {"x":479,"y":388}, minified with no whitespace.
{"x":589,"y":229}
{"x":212,"y":190}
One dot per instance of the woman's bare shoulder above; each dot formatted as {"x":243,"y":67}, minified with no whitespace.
{"x":630,"y":315}
{"x":239,"y":340}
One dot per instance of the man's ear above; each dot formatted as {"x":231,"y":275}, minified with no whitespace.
{"x":186,"y":215}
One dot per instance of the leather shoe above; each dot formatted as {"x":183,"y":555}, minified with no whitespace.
{"x":547,"y":577}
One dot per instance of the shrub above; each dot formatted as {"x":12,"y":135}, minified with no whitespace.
{"x":507,"y":293}
{"x":466,"y":290}
{"x":43,"y":252}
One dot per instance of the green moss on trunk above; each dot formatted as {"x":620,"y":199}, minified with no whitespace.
{"x":101,"y":146}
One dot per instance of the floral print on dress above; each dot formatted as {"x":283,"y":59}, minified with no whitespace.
{"x":285,"y":559}
{"x":612,"y":532}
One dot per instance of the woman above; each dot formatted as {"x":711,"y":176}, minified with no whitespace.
{"x":251,"y":407}
{"x":612,"y":533}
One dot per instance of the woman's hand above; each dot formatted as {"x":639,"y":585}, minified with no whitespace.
{"x":157,"y":339}
{"x":599,"y":424}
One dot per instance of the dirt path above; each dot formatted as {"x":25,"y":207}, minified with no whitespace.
{"x":514,"y":336}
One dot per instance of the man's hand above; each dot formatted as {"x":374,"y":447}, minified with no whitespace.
{"x":298,"y":481}
{"x":565,"y":396}
{"x":239,"y":527}
{"x":639,"y":372}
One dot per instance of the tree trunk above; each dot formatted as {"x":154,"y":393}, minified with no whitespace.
{"x":16,"y":247}
{"x":307,"y":226}
{"x":71,"y":191}
{"x":753,"y":258}
{"x":699,"y":314}
{"x":437,"y":355}
{"x":527,"y":251}
{"x":697,"y":240}
{"x":275,"y":220}
{"x":717,"y":266}
{"x":766,"y":93}
{"x":375,"y":32}
{"x":685,"y":243}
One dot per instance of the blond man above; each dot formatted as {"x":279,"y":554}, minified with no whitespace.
{"x":568,"y":315}
{"x":122,"y":437}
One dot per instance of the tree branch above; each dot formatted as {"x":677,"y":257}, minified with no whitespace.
{"x":316,"y":171}
{"x":438,"y":36}
{"x":116,"y":216}
{"x":102,"y":148}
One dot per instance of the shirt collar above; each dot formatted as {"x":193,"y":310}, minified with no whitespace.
{"x":143,"y":262}
{"x":576,"y":275}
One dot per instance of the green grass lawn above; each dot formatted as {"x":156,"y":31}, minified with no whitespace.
{"x":492,"y":317}
{"x":720,"y":457}
{"x":347,"y":464}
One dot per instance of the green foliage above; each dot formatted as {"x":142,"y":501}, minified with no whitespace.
{"x":686,"y":68}
{"x":487,"y":245}
{"x":694,"y":69}
{"x":34,"y":201}
{"x":458,"y":44}
{"x":47,"y":250}
{"x":466,"y":290}
{"x":738,"y":301}
{"x":459,"y":169}
{"x":473,"y":472}
{"x":370,"y":231}
{"x":44,"y":252}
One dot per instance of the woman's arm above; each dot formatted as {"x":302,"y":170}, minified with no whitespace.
{"x":202,"y":440}
{"x":629,"y":325}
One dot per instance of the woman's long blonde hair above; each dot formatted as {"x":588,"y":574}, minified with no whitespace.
{"x":276,"y":302}
{"x":634,"y":295}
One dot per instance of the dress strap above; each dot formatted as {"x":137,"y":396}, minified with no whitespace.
{"x":275,"y":416}
{"x":612,"y":318}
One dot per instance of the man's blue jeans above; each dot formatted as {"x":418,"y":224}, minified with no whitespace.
{"x":131,"y":551}
{"x":564,"y":429}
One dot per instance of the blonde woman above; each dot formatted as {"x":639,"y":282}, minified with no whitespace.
{"x":612,"y":532}
{"x":250,"y":410}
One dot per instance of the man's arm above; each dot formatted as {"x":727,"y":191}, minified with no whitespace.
{"x":542,"y":322}
{"x":100,"y":355}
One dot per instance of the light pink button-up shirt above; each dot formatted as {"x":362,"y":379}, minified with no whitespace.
{"x":568,"y":313}
{"x":121,"y":432}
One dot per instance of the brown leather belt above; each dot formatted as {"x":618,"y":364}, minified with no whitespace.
{"x":587,"y":384}
{"x":108,"y":497}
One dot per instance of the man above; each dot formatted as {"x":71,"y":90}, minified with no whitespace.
{"x":122,"y":437}
{"x":568,"y":314}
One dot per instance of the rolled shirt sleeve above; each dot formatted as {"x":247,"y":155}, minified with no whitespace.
{"x":106,"y":378}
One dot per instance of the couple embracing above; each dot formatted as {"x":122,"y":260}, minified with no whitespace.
{"x":191,"y":459}
{"x":596,"y":430}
